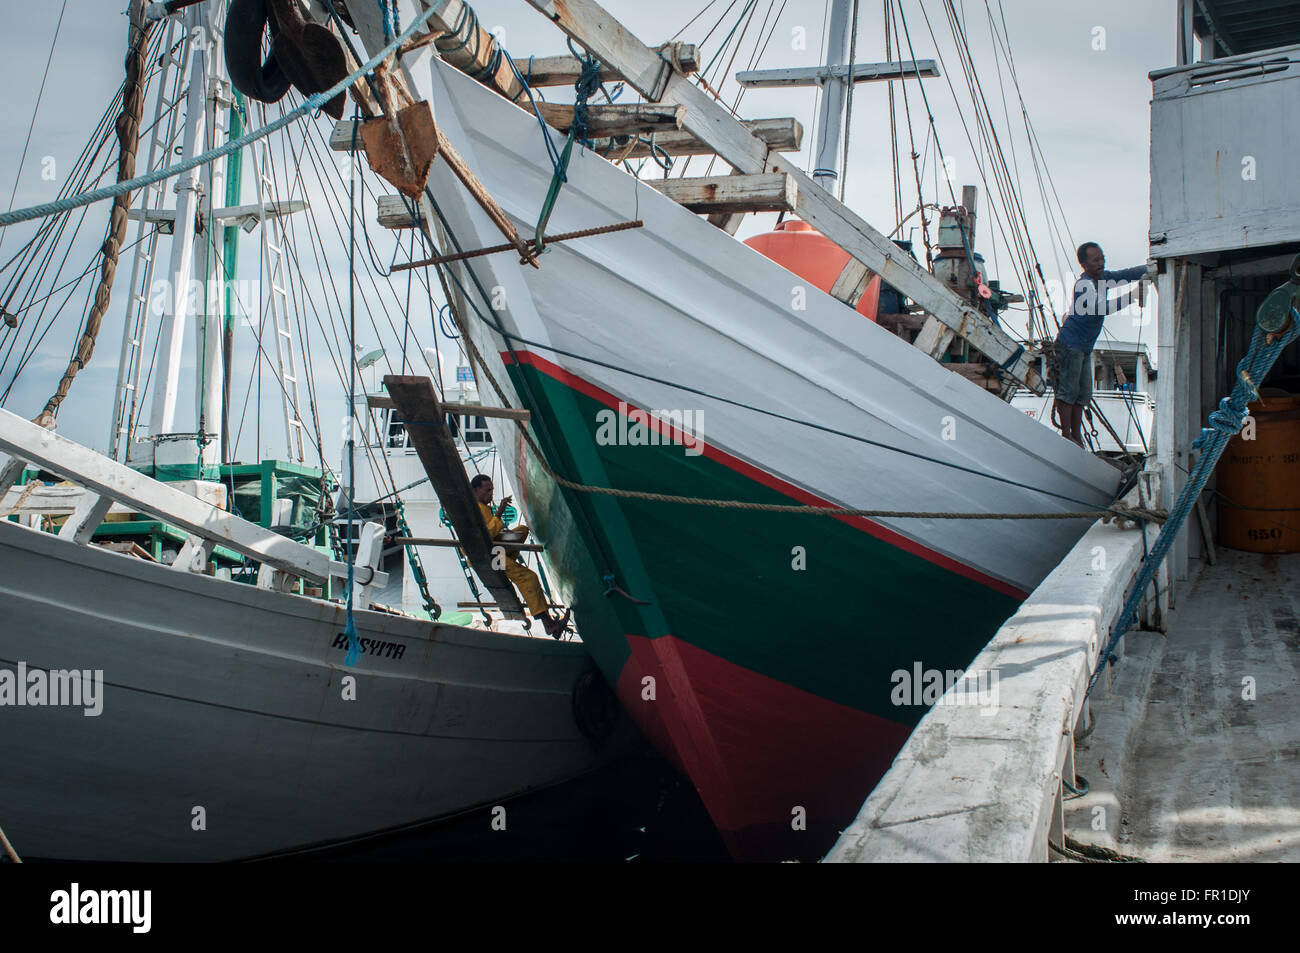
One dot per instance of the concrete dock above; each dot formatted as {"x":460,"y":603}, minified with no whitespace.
{"x":1195,"y":746}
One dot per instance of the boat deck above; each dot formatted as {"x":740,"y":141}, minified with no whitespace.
{"x":1196,"y":744}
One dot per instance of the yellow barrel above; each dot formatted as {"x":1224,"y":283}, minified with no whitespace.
{"x":1263,"y":473}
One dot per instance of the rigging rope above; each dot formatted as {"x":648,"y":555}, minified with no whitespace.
{"x":309,"y":104}
{"x":1224,"y":423}
{"x":128,"y":135}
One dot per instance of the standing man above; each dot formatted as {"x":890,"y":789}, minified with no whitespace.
{"x":524,"y":579}
{"x":1079,"y":333}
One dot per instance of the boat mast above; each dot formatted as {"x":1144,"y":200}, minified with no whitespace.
{"x":204,"y":70}
{"x":826,"y":169}
{"x":834,"y":77}
{"x":215,"y":271}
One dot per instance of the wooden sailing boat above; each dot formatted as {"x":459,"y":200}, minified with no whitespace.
{"x":228,"y":719}
{"x":754,"y":647}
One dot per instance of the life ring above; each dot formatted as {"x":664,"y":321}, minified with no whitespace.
{"x":246,"y":23}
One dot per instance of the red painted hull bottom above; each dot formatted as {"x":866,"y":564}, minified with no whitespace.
{"x":781,"y":770}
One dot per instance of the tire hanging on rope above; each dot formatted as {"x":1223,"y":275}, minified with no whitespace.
{"x":246,"y":23}
{"x":128,"y":137}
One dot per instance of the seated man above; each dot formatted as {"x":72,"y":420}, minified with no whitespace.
{"x":524,"y":579}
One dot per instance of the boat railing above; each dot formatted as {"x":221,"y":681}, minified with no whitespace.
{"x":282,"y":561}
{"x":983,"y":777}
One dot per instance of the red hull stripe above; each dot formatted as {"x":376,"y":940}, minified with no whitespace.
{"x":767,"y":479}
{"x":758,"y":750}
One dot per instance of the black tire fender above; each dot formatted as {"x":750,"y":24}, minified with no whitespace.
{"x":246,"y":23}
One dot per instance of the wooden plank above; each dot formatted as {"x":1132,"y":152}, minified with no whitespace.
{"x":782,"y":135}
{"x":815,"y":75}
{"x":617,"y":119}
{"x":852,"y":282}
{"x":710,"y":121}
{"x":457,"y":544}
{"x":107,"y":478}
{"x":731,"y":193}
{"x":564,"y":70}
{"x":934,"y":338}
{"x":425,"y":419}
{"x":85,"y":519}
{"x":395,"y":212}
{"x":382,"y":402}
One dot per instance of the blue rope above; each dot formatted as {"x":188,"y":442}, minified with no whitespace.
{"x":350,"y":630}
{"x":586,"y":86}
{"x":1225,"y":422}
{"x":311,"y":103}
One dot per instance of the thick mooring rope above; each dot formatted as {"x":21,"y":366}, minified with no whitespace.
{"x":128,"y":137}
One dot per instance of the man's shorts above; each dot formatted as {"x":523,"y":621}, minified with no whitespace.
{"x":1074,"y":381}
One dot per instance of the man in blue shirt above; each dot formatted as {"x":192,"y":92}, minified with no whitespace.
{"x":1079,"y":332}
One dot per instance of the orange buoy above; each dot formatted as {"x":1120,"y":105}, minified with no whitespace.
{"x":1263,"y":473}
{"x":812,"y":256}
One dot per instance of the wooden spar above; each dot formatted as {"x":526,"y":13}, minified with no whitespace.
{"x":108,"y":480}
{"x":617,"y":119}
{"x":816,"y":75}
{"x":471,"y":51}
{"x":380,"y":402}
{"x":565,"y":70}
{"x":457,"y":544}
{"x":852,"y":282}
{"x":708,"y":120}
{"x":782,"y":135}
{"x":731,"y":193}
{"x":426,"y":424}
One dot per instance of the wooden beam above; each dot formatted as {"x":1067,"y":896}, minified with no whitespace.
{"x":108,"y":478}
{"x":780,"y":135}
{"x":381,"y":402}
{"x":935,"y":337}
{"x":731,"y":193}
{"x":457,"y":544}
{"x":616,"y":119}
{"x":564,"y":70}
{"x":852,"y":282}
{"x":815,"y":75}
{"x":426,"y":424}
{"x":1273,"y":265}
{"x":708,"y":120}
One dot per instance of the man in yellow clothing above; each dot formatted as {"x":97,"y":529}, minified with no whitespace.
{"x":524,"y":579}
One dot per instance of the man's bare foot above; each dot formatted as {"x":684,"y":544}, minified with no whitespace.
{"x":555,"y":627}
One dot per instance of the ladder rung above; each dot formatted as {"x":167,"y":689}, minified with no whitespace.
{"x":284,"y":332}
{"x":290,"y":379}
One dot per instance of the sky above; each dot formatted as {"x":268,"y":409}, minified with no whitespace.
{"x":1082,"y":72}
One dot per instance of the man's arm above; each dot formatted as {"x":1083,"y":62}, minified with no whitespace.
{"x":1126,"y":274}
{"x":493,"y":522}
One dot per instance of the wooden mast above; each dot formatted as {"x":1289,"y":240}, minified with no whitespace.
{"x":651,"y":75}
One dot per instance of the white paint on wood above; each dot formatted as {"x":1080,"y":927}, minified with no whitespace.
{"x":110,"y":479}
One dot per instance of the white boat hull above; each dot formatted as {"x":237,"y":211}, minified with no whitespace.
{"x":229,"y":702}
